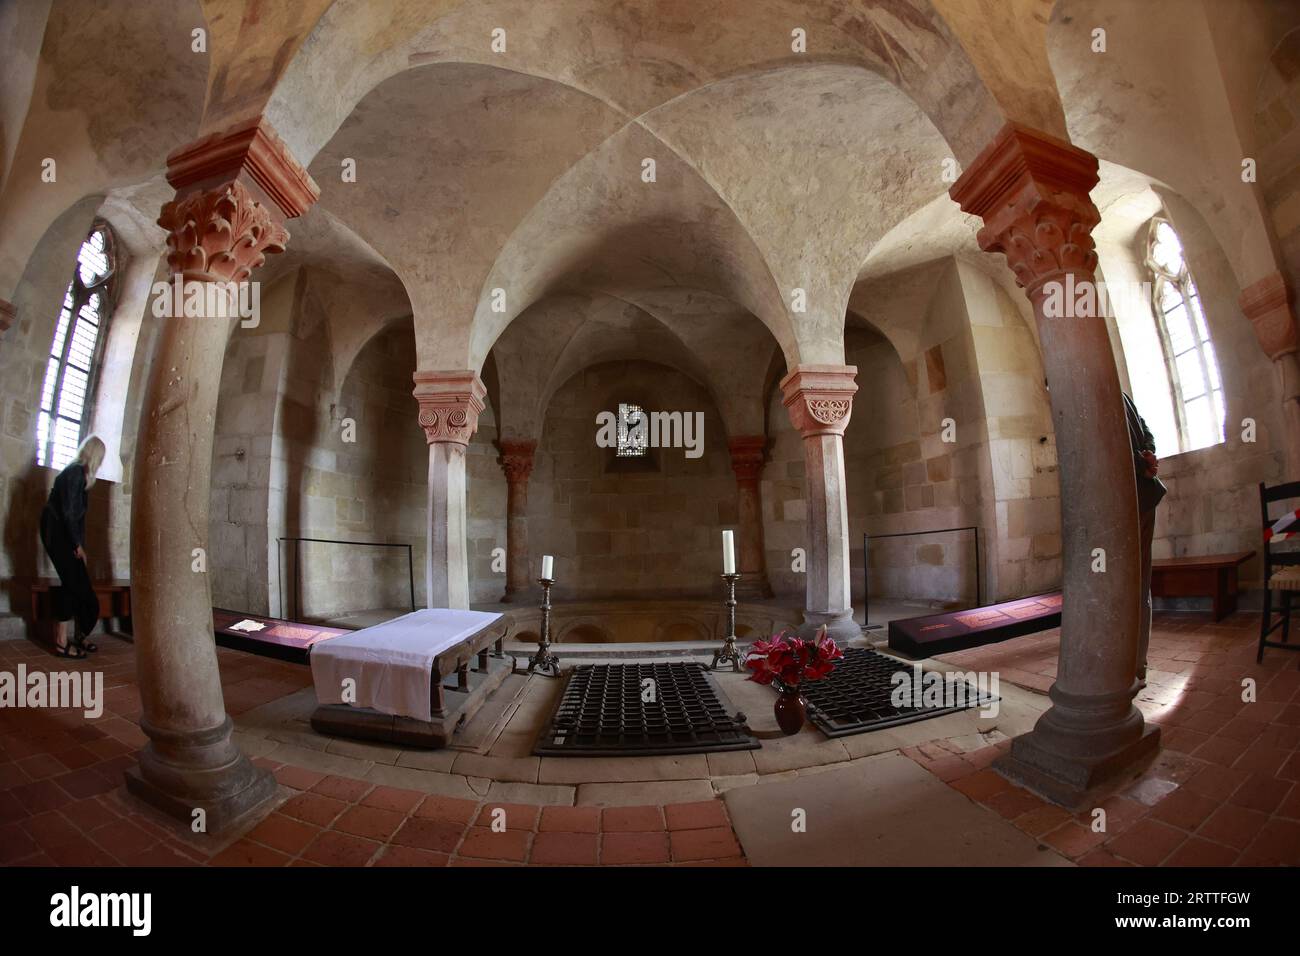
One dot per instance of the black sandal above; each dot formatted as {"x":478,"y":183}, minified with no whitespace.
{"x":71,"y":649}
{"x":90,"y":646}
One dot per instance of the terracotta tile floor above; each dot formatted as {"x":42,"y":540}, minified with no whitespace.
{"x":62,"y":802}
{"x":1225,"y":789}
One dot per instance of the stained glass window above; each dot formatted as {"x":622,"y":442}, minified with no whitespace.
{"x":74,"y":354}
{"x":632,"y":431}
{"x":1185,"y":340}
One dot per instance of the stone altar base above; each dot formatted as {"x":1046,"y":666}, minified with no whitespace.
{"x":460,"y":704}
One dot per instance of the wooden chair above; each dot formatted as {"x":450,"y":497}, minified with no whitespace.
{"x":1281,"y":569}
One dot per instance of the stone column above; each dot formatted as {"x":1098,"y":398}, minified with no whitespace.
{"x":747,"y":456}
{"x":1267,"y":304}
{"x":517,"y":463}
{"x":819,"y":399}
{"x":450,"y":402}
{"x":233,"y":191}
{"x":1031,"y":190}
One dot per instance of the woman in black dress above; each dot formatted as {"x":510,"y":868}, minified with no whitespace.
{"x":63,"y":532}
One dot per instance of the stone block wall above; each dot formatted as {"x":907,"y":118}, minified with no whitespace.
{"x":24,"y":485}
{"x":1019,"y":499}
{"x":1277,"y":128}
{"x":784,"y":505}
{"x":282,"y":468}
{"x":623,"y":530}
{"x":1213,"y":501}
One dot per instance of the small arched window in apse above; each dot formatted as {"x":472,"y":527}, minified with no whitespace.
{"x":1190,"y":362}
{"x":71,"y":366}
{"x":633,"y":434}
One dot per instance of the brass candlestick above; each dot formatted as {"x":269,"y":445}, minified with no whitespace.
{"x":728,"y":651}
{"x":544,"y":660}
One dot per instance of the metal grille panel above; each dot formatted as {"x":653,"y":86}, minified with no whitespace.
{"x":856,"y":696}
{"x":602,"y":712}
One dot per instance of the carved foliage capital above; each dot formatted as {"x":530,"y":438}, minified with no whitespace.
{"x":819,"y":398}
{"x":748,"y":453}
{"x":1032,"y":190}
{"x":517,"y":459}
{"x":1045,"y":238}
{"x":221,"y":234}
{"x":1267,"y":304}
{"x":450,"y":403}
{"x":234,"y":190}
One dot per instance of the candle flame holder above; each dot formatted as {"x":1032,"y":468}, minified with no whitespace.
{"x":728,"y":652}
{"x":544,"y":662}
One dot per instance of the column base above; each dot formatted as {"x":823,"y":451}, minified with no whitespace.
{"x":1067,"y":757}
{"x":181,"y":773}
{"x":840,"y":625}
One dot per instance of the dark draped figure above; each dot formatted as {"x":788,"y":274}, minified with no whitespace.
{"x":63,"y":531}
{"x":1150,"y":490}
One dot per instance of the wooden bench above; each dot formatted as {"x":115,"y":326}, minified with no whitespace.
{"x":114,"y":600}
{"x":1213,"y":576}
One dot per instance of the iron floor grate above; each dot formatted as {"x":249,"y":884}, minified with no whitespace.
{"x":856,"y":697}
{"x":673,"y":707}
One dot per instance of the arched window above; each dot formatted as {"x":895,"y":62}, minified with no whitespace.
{"x":74,"y":353}
{"x":1189,"y":355}
{"x":632,"y":436}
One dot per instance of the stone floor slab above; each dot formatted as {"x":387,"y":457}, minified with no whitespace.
{"x":899,"y":815}
{"x":808,"y":748}
{"x":425,"y":781}
{"x":531,"y":793}
{"x":575,"y":770}
{"x":640,"y":794}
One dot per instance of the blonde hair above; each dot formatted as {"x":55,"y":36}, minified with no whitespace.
{"x":90,"y":455}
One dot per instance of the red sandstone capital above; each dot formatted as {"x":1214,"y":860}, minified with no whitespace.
{"x":450,"y":403}
{"x":819,"y":398}
{"x":748,"y":453}
{"x":1267,"y":304}
{"x":517,"y":459}
{"x":1031,"y":190}
{"x":233,"y":192}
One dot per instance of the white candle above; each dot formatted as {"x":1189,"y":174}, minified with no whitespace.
{"x":728,"y":552}
{"x":548,"y":567}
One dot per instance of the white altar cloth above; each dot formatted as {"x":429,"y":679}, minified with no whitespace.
{"x":391,"y":663}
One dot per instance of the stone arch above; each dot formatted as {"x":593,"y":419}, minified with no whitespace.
{"x":912,"y":50}
{"x":98,"y":148}
{"x":914,"y":47}
{"x":584,"y":630}
{"x":682,"y":629}
{"x":1182,"y":130}
{"x":552,"y":340}
{"x":709,"y":250}
{"x":634,"y":532}
{"x":1279,"y":145}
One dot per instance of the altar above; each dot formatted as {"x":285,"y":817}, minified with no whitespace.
{"x":413,"y":680}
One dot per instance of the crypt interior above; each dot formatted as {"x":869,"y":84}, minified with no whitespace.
{"x":825,"y":232}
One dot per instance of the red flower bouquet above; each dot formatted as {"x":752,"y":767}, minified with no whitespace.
{"x":788,"y":661}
